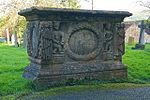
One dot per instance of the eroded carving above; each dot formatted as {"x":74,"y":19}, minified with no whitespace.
{"x":58,"y":39}
{"x":30,"y":27}
{"x":120,"y":43}
{"x":45,"y":40}
{"x":83,"y":42}
{"x":32,"y":42}
{"x":108,"y":36}
{"x":121,"y":36}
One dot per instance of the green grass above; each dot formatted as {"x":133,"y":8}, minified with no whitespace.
{"x":13,"y":60}
{"x":138,"y":62}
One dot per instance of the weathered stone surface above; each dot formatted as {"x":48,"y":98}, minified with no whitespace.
{"x":74,"y":44}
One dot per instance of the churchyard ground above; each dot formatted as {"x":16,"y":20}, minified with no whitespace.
{"x":13,"y":60}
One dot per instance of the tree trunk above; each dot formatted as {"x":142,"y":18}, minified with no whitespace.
{"x":7,"y":34}
{"x":16,"y":40}
{"x":25,"y":39}
{"x":13,"y":39}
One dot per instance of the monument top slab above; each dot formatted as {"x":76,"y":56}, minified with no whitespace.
{"x":82,"y":12}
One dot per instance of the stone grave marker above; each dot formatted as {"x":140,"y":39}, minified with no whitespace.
{"x":131,"y":40}
{"x":64,"y":44}
{"x":141,"y":43}
{"x":2,"y":39}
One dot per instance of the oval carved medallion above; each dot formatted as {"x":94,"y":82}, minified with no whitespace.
{"x":83,"y":43}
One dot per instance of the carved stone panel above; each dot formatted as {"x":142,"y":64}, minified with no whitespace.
{"x":120,"y":43}
{"x":83,"y":42}
{"x":58,"y":39}
{"x":108,"y":41}
{"x":45,"y":40}
{"x":32,"y":38}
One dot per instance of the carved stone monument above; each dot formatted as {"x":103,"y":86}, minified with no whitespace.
{"x":68,"y":44}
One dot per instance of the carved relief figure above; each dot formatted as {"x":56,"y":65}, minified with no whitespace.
{"x":50,"y":40}
{"x":108,"y":38}
{"x":45,"y":41}
{"x":58,"y":41}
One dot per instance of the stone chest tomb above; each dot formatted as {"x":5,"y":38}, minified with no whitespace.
{"x":65,"y":44}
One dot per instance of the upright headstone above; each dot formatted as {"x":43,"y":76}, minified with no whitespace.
{"x":141,"y":43}
{"x":148,"y":39}
{"x":2,"y":39}
{"x":64,"y":44}
{"x":131,"y":40}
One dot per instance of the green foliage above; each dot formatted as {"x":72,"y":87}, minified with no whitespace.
{"x":3,"y":21}
{"x":69,"y":3}
{"x":147,"y":22}
{"x":20,"y":27}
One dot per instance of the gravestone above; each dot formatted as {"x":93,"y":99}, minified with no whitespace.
{"x":2,"y":39}
{"x":141,"y":43}
{"x":64,"y":44}
{"x":148,"y":40}
{"x":131,"y":40}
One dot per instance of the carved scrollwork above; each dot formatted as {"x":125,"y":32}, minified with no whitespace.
{"x":119,"y":43}
{"x":120,"y":36}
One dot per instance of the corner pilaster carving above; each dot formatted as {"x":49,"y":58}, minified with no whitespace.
{"x":120,"y":43}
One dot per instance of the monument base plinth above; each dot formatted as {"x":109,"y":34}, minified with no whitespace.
{"x":73,"y":72}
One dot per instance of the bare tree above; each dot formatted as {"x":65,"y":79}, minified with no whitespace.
{"x":91,"y":2}
{"x":145,"y":4}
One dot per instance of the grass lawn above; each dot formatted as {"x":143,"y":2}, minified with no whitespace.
{"x":138,"y":62}
{"x":13,"y":60}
